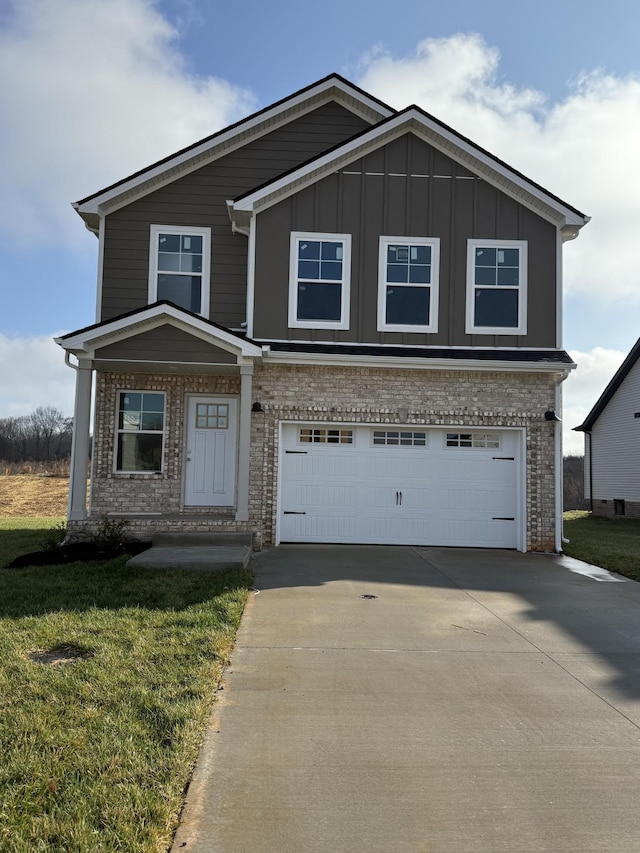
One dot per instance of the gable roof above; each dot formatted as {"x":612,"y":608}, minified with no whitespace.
{"x":84,"y":342}
{"x":618,"y":378}
{"x":453,"y":144}
{"x":333,"y":87}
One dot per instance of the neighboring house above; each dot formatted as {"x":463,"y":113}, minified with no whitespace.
{"x":330,"y":322}
{"x":612,"y":443}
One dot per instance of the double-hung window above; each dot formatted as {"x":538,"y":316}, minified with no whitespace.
{"x":140,"y":431}
{"x":497,"y":287}
{"x":319,"y":280}
{"x":408,"y":284}
{"x":179,"y":266}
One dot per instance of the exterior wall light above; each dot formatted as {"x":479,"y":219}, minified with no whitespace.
{"x":551,"y":416}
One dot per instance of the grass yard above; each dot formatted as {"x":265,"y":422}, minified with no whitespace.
{"x":107,"y":679}
{"x":611,"y":543}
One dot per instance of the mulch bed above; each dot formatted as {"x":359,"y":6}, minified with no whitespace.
{"x":76,"y":552}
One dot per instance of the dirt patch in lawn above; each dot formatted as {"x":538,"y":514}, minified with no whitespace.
{"x":30,"y":495}
{"x":62,"y":653}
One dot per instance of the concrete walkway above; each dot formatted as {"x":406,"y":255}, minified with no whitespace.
{"x":399,"y":699}
{"x":209,"y":552}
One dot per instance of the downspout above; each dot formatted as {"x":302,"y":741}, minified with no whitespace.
{"x":560,"y":537}
{"x":590,"y":472}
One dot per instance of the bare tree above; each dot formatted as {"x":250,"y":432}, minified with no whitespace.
{"x":42,"y":436}
{"x":46,"y":422}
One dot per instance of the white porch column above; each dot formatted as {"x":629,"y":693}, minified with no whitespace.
{"x":244,"y":442}
{"x":77,"y":508}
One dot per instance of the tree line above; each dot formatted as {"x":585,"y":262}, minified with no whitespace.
{"x":42,"y":436}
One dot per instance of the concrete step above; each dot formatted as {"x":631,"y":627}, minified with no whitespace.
{"x":212,"y":552}
{"x":220,"y":539}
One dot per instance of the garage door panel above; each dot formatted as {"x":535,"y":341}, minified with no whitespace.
{"x":311,"y":464}
{"x":325,"y":528}
{"x":423,"y":495}
{"x":307,"y":496}
{"x":392,"y":465}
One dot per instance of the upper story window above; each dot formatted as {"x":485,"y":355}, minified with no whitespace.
{"x":408,"y":284}
{"x":140,"y":431}
{"x":319,"y":279}
{"x":179,"y":266}
{"x":497,"y":287}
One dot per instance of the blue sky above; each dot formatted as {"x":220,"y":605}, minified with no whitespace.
{"x":101,"y":88}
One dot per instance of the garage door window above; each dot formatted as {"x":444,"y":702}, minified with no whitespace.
{"x":321,"y":435}
{"x":473,"y":439}
{"x":399,"y":439}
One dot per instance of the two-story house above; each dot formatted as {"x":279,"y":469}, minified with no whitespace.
{"x":329,"y":322}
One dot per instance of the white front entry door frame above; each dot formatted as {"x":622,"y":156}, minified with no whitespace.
{"x":210,"y":451}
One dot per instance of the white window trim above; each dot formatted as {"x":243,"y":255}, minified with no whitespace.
{"x":343,"y":322}
{"x":205,"y":233}
{"x":432,"y":326}
{"x":118,"y":432}
{"x":521,"y":328}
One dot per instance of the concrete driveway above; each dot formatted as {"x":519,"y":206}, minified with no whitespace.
{"x":414,"y":699}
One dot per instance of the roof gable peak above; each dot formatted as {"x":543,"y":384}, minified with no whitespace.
{"x":333,"y":87}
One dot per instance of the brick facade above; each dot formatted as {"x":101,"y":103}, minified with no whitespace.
{"x":354,"y":395}
{"x":607,"y":508}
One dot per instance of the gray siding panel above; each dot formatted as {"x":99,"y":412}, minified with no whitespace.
{"x":166,"y":343}
{"x":405,"y":188}
{"x":199,"y":199}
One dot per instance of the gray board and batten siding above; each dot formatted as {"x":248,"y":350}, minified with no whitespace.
{"x":404,"y":188}
{"x":199,"y":199}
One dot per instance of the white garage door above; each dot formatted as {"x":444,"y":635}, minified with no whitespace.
{"x":376,"y":485}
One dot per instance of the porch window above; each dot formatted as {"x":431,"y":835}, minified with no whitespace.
{"x":140,"y":431}
{"x":179,"y":266}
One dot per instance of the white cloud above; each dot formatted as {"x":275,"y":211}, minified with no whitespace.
{"x":582,"y":389}
{"x":584,"y":149}
{"x":34,"y":374}
{"x":94,"y":90}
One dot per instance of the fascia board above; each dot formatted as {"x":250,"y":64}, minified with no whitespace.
{"x":231,"y":139}
{"x":336,"y":360}
{"x":444,"y":140}
{"x":120,"y":329}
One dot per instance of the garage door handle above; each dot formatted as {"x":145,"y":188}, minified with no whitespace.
{"x":502,"y":518}
{"x":293,"y":512}
{"x":502,"y":458}
{"x":398,"y":498}
{"x":296,"y":451}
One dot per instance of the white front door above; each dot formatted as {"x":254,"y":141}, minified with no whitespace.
{"x":210,"y":477}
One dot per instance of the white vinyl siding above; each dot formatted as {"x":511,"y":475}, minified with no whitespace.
{"x":616,"y":444}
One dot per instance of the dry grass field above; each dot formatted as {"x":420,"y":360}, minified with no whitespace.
{"x":28,"y":495}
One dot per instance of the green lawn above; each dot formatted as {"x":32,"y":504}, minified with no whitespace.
{"x":96,"y":753}
{"x":611,"y":543}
